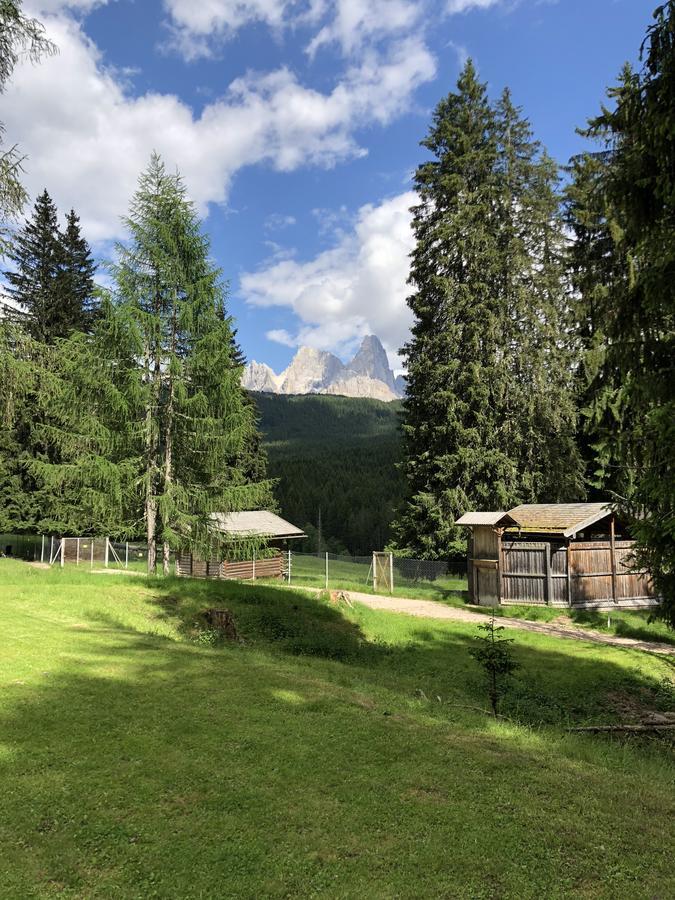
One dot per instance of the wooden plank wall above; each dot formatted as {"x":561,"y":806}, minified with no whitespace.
{"x":536,"y":573}
{"x":239,"y":570}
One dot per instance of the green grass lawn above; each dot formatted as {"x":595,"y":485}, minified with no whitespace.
{"x":333,"y":753}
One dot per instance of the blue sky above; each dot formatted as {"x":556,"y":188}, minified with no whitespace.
{"x":296,"y":124}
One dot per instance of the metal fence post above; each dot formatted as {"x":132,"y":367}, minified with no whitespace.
{"x":126,"y":555}
{"x":77,"y":553}
{"x":326,"y":570}
{"x":51,"y":551}
{"x":374,"y":573}
{"x":63,"y":550}
{"x":289,"y":566}
{"x":91,"y":566}
{"x":42,"y":551}
{"x":107,"y":545}
{"x":391,"y":573}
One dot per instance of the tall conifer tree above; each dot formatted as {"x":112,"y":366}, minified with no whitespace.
{"x":53,"y":274}
{"x":195,"y":417}
{"x":35,"y":253}
{"x":633,"y":406}
{"x":75,"y":287}
{"x":487,"y":372}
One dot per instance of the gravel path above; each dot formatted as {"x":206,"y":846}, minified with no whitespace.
{"x":429,"y":609}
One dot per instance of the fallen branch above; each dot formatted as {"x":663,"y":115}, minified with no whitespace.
{"x":628,"y":728}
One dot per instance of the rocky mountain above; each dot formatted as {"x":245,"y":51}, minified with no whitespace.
{"x":318,"y":372}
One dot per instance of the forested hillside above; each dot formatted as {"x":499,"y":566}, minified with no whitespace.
{"x":335,"y":458}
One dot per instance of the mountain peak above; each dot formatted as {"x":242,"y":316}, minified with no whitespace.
{"x":313,"y":371}
{"x":371,"y":361}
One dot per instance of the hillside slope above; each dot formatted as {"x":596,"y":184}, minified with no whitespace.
{"x":336,"y":455}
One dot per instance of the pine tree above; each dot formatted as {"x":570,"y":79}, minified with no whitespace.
{"x":487,"y":422}
{"x":634,"y":404}
{"x":195,"y":417}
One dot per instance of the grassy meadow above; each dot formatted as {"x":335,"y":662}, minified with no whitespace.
{"x":333,"y":752}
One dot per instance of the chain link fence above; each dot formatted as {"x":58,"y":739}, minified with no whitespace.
{"x":381,"y":573}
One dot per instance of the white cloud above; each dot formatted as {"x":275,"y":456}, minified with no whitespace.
{"x":197,"y":27}
{"x":46,"y":7}
{"x":460,"y":6}
{"x":355,"y":22}
{"x":351,"y":24}
{"x":355,"y":288}
{"x":277,"y":221}
{"x":87,"y":138}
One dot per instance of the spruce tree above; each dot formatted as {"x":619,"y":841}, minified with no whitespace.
{"x":195,"y":417}
{"x":487,"y":422}
{"x":52,"y":275}
{"x":538,"y":411}
{"x":634,"y":405}
{"x":75,"y":287}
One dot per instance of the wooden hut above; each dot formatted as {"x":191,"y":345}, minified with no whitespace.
{"x":567,"y":555}
{"x":239,"y":526}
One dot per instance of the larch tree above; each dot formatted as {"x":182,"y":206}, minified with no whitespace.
{"x":488,"y":421}
{"x":195,"y":418}
{"x":20,"y":36}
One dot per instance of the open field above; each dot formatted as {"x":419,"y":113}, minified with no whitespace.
{"x":336,"y":753}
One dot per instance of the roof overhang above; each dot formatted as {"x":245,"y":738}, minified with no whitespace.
{"x":572,"y":518}
{"x":493,"y":519}
{"x":255,"y":524}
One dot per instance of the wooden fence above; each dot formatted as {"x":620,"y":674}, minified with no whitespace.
{"x":580,"y":574}
{"x":240,"y":570}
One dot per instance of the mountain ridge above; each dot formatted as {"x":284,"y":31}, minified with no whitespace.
{"x":312,"y":371}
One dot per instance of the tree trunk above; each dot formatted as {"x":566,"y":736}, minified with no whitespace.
{"x":168,"y":438}
{"x":151,"y":467}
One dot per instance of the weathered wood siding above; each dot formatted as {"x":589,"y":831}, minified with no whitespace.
{"x":581,"y":575}
{"x":484,"y":566}
{"x":240,"y":570}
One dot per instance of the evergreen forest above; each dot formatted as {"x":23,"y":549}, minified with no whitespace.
{"x":336,"y":465}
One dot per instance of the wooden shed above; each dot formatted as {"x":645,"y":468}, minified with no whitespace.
{"x":567,"y":555}
{"x":239,"y":526}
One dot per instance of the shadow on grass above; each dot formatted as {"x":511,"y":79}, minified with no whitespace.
{"x":567,"y":687}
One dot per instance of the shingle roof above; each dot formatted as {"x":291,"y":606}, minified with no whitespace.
{"x":485,"y":518}
{"x":256,"y":522}
{"x":565,"y":519}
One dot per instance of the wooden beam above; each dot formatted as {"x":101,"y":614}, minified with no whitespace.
{"x":613,"y":554}
{"x":500,"y":565}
